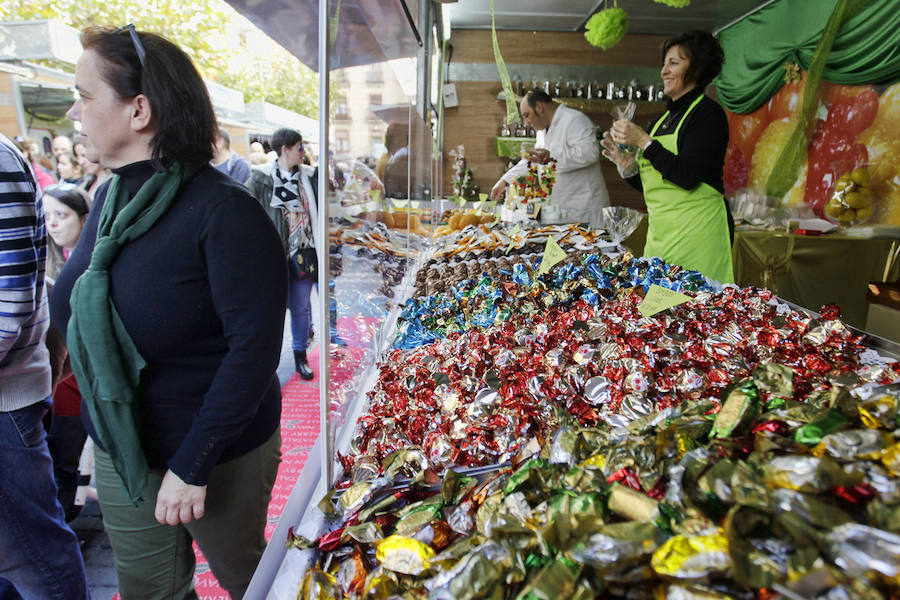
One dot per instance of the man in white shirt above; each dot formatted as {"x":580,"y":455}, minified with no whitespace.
{"x":568,"y":136}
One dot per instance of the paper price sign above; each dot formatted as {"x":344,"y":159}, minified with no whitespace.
{"x":460,"y":201}
{"x":400,"y":202}
{"x":482,"y":198}
{"x":512,"y":232}
{"x":376,"y":195}
{"x":659,"y":299}
{"x":552,"y":255}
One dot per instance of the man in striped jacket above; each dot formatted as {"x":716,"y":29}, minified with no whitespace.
{"x":39,"y":554}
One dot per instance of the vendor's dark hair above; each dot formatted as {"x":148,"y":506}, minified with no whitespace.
{"x":183,"y":117}
{"x":704,"y":53}
{"x":532,"y":97}
{"x":70,"y":195}
{"x":285,"y":137}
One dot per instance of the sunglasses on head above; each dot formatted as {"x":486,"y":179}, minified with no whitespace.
{"x":138,"y":46}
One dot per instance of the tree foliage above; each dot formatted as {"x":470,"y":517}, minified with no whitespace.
{"x":199,"y":27}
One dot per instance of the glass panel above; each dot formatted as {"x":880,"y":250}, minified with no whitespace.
{"x":379,"y":218}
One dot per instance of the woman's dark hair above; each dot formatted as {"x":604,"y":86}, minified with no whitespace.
{"x":285,"y":137}
{"x":702,"y":51}
{"x":184,"y":122}
{"x":70,"y":195}
{"x":532,"y":97}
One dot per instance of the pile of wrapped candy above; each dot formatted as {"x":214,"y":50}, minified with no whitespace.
{"x":437,"y":277}
{"x":521,"y":291}
{"x":757,"y":496}
{"x":538,"y":437}
{"x":497,"y":238}
{"x":390,"y":253}
{"x":482,"y":397}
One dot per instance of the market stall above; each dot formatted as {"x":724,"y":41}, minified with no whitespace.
{"x":529,"y":410}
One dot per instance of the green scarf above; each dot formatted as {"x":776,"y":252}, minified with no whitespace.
{"x":104,"y":358}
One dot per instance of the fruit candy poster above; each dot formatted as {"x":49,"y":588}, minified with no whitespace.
{"x":856,"y":129}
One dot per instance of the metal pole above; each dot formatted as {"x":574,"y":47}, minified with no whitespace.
{"x":423,"y":84}
{"x":322,"y":240}
{"x":719,"y":30}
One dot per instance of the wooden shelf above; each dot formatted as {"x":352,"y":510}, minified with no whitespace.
{"x":592,"y":105}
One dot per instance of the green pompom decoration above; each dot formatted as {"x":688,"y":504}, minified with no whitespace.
{"x":607,"y":28}
{"x":674,"y":3}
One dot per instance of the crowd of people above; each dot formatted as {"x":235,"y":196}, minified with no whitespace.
{"x":119,"y":312}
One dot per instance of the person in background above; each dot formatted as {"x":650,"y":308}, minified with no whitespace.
{"x":39,"y":554}
{"x":60,"y":145}
{"x":173,"y":305}
{"x":65,"y":212}
{"x":68,"y":168}
{"x":286,"y":189}
{"x":393,"y":166}
{"x":93,"y":174}
{"x":257,"y":154}
{"x":569,"y":137}
{"x":679,"y":163}
{"x":233,"y":165}
{"x":41,"y":165}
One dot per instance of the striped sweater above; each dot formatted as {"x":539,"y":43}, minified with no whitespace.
{"x":24,"y":360}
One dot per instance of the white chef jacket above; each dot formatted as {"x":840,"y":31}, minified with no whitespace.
{"x":580,"y":188}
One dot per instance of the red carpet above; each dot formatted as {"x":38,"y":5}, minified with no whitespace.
{"x":299,"y":430}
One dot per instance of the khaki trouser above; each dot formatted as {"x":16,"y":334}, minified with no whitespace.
{"x":156,"y":561}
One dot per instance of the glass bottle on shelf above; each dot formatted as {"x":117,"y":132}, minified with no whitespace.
{"x":581,"y":90}
{"x":521,"y":130}
{"x":558,"y":91}
{"x":596,"y":90}
{"x":505,"y":130}
{"x":518,"y":86}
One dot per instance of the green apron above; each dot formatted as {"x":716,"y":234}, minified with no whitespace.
{"x":686,"y":227}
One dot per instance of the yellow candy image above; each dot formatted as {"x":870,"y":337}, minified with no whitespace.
{"x":848,"y":215}
{"x":865,"y":213}
{"x":860,"y":176}
{"x":843,"y":184}
{"x":833,"y":209}
{"x":857,"y":199}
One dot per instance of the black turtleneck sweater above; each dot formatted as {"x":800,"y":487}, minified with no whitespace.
{"x":203,"y":296}
{"x":702,"y":140}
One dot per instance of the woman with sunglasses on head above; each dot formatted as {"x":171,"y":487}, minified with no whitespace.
{"x":678,"y":165}
{"x":177,"y":290}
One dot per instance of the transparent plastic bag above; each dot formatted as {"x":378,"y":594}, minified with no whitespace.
{"x":620,"y":222}
{"x":852,"y":201}
{"x":625,"y":112}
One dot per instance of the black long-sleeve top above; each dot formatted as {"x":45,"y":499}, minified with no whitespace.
{"x":702,"y":141}
{"x":203,"y":296}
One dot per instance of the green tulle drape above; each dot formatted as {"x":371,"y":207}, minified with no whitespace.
{"x":866,"y":50}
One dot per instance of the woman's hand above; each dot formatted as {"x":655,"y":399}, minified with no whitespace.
{"x":629,"y":134}
{"x":179,"y":502}
{"x":625,"y":162}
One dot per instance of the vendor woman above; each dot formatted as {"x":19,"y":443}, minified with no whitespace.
{"x":678,"y":165}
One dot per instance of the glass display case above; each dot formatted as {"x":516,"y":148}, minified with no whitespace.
{"x":376,"y":143}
